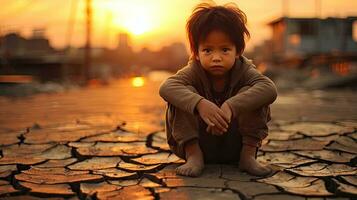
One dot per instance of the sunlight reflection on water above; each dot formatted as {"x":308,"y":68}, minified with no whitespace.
{"x":143,"y":109}
{"x":137,"y":81}
{"x":133,"y":100}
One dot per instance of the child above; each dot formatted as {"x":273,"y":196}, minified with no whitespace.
{"x":218,"y":105}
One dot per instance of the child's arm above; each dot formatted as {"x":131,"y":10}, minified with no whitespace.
{"x":178,"y":90}
{"x":262,"y":92}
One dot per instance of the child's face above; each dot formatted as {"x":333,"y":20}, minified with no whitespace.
{"x":217,"y":53}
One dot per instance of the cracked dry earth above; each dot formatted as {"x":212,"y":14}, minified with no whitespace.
{"x":87,"y":160}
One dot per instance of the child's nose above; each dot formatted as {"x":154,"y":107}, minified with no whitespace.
{"x":216,"y":57}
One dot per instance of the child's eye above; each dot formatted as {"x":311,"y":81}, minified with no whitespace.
{"x":206,"y":50}
{"x":225,"y":50}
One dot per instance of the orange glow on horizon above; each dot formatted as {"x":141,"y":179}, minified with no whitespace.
{"x":152,"y":24}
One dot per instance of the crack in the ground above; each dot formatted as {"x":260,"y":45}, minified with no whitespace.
{"x":302,"y":165}
{"x":22,"y":138}
{"x":154,"y":194}
{"x":15,"y":183}
{"x":315,"y":160}
{"x":342,"y":180}
{"x":141,"y":172}
{"x":77,"y":155}
{"x":120,"y":127}
{"x":331,"y":183}
{"x":239,"y":193}
{"x":149,"y":140}
{"x":332,"y":186}
{"x":154,"y":179}
{"x":76,"y":188}
{"x":131,"y":177}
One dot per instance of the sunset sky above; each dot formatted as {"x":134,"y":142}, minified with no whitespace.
{"x":151,"y":23}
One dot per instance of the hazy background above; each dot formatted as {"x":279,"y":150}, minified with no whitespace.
{"x":59,"y":62}
{"x":151,"y":23}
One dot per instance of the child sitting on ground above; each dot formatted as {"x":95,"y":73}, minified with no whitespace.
{"x":218,"y":105}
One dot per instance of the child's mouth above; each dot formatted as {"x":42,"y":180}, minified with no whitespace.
{"x":217,"y":68}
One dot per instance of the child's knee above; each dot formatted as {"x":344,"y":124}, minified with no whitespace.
{"x":181,"y":125}
{"x":261,"y":114}
{"x":176,"y":115}
{"x":245,"y":88}
{"x":192,"y":89}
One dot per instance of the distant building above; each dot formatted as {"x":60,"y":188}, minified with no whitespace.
{"x":38,"y":43}
{"x":124,"y":41}
{"x":323,"y":50}
{"x":34,"y":56}
{"x":171,"y":57}
{"x":301,"y":37}
{"x":14,"y":44}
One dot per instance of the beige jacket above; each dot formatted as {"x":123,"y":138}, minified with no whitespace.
{"x":177,"y":89}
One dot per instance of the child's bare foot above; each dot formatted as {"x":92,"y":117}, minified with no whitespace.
{"x":194,"y":164}
{"x":249,"y":164}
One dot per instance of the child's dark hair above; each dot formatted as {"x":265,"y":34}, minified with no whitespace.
{"x":207,"y":17}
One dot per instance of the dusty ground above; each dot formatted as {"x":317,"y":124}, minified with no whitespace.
{"x":107,"y":143}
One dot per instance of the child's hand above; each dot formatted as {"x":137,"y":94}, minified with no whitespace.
{"x":214,"y":130}
{"x":212,"y":115}
{"x":227,"y":111}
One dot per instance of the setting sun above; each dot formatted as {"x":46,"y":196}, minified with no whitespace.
{"x":138,"y":24}
{"x":133,"y":19}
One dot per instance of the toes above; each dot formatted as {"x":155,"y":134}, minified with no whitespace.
{"x":177,"y":171}
{"x":261,"y":171}
{"x":188,"y":172}
{"x":254,"y":168}
{"x":266,"y":171}
{"x":180,"y":171}
{"x":183,"y":170}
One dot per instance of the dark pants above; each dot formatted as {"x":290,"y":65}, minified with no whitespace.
{"x":247,"y":128}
